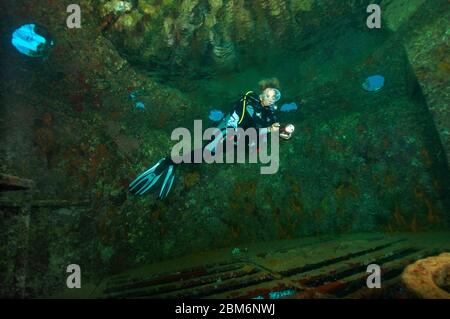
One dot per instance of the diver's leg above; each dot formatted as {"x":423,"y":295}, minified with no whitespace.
{"x":210,"y":149}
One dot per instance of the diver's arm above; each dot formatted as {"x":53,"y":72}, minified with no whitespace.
{"x":233,"y":121}
{"x":274,"y":127}
{"x":273,"y":121}
{"x":273,"y":118}
{"x":266,"y":130}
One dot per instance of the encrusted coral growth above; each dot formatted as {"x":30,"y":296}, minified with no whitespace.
{"x":46,"y":143}
{"x":359,"y":162}
{"x":190,"y":179}
{"x":213,"y":34}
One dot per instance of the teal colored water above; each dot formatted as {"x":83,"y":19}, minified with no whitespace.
{"x":364,"y":177}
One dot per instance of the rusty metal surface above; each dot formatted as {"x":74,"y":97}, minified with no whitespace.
{"x":53,"y":203}
{"x":11,"y":183}
{"x":330,"y":269}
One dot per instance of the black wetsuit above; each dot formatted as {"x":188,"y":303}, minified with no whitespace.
{"x":245,"y":114}
{"x":256,"y":115}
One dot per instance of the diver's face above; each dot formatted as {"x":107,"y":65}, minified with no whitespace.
{"x":265,"y":102}
{"x":268,"y":98}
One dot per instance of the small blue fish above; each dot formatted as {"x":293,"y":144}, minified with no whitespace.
{"x":373,"y":83}
{"x":288,"y":107}
{"x":139,"y":105}
{"x":28,"y":41}
{"x":216,"y":115}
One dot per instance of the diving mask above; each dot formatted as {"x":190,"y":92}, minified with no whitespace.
{"x":271,"y":96}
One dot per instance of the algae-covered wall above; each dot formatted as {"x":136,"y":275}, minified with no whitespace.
{"x":206,"y":36}
{"x":426,"y":40}
{"x":358,"y":161}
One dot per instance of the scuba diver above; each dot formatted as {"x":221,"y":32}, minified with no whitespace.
{"x":250,"y":111}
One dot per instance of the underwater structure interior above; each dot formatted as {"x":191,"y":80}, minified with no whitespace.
{"x":364,"y":179}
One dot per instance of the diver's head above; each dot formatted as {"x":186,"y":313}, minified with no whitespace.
{"x":269,"y":97}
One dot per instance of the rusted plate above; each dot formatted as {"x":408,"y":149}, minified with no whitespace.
{"x":325,"y":269}
{"x":12,"y":183}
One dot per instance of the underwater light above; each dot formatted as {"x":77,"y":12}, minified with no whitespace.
{"x":28,"y":41}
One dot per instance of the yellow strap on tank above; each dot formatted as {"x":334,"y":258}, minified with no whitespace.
{"x":244,"y":106}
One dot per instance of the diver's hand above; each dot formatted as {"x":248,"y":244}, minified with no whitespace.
{"x":285,"y":136}
{"x":274,"y":127}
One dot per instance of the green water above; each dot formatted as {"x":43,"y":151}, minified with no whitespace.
{"x":324,"y":78}
{"x":359,"y":162}
{"x":357,"y":159}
